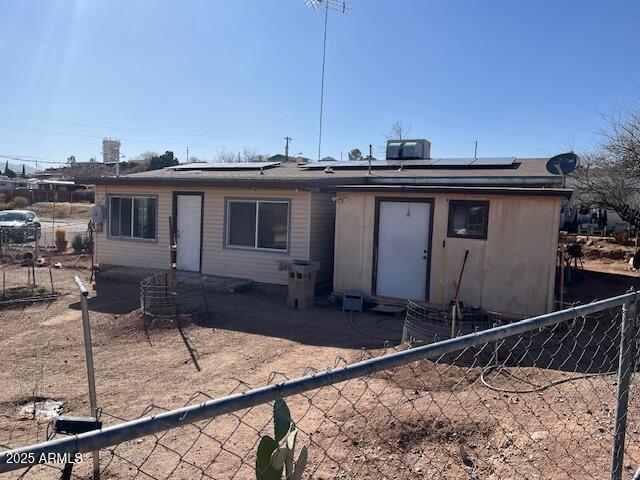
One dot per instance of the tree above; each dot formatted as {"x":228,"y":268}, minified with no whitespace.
{"x":8,"y":172}
{"x":162,"y":161}
{"x":246,"y":155}
{"x":398,"y":131}
{"x":610,"y":177}
{"x":24,"y":173}
{"x":355,"y":154}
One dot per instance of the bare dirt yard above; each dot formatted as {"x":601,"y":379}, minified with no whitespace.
{"x":424,"y":420}
{"x":62,"y":210}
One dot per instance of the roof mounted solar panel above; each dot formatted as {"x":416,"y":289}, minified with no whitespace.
{"x":454,"y":162}
{"x":494,"y":162}
{"x":226,"y":166}
{"x":317,"y":165}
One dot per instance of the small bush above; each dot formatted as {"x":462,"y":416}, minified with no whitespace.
{"x":20,"y":202}
{"x":78,"y":243}
{"x":61,"y":235}
{"x":87,"y":244}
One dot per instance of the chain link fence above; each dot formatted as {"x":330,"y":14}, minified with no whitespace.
{"x":553,"y":396}
{"x":46,"y":241}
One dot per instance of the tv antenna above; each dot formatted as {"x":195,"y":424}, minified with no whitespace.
{"x":339,"y":6}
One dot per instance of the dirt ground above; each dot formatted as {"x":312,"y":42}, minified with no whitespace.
{"x":62,"y":210}
{"x":425,"y":420}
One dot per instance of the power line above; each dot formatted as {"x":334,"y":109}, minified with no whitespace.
{"x":106,"y":127}
{"x":25,"y":159}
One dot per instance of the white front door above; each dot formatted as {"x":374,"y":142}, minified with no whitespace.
{"x":403,"y":249}
{"x":189,"y":223}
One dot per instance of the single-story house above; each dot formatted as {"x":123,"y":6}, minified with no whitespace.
{"x":395,"y":228}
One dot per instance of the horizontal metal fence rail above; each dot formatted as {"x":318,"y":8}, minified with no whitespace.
{"x":149,"y":425}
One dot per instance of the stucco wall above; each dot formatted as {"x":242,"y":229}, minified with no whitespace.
{"x":256,"y":265}
{"x":512,"y":271}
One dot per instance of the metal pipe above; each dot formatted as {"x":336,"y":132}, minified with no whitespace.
{"x":127,"y":431}
{"x":625,"y":369}
{"x":88,"y":350}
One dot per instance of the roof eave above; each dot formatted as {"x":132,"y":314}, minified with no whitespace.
{"x":485,"y":190}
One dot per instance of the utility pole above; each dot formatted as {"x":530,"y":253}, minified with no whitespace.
{"x":475,"y":152}
{"x":187,"y":153}
{"x":286,"y":148}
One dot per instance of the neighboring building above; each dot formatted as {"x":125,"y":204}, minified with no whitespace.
{"x":398,"y":231}
{"x":6,"y":183}
{"x":110,"y":151}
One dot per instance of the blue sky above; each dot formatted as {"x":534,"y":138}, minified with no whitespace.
{"x":523,"y":78}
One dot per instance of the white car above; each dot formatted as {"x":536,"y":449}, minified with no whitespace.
{"x":19,"y":225}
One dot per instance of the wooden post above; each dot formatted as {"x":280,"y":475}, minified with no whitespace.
{"x":51,"y":278}
{"x":454,"y":312}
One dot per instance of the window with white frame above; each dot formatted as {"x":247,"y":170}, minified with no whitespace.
{"x":132,"y":217}
{"x":258,"y":224}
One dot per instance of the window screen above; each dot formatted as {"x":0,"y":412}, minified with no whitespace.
{"x":242,"y":224}
{"x":144,"y":217}
{"x":114,"y":217}
{"x":272,"y":225}
{"x":258,"y":224}
{"x":468,"y":218}
{"x":132,"y":217}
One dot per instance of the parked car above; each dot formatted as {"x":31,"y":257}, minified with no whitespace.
{"x":19,"y":226}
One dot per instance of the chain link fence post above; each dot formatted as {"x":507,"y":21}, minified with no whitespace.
{"x":625,"y":371}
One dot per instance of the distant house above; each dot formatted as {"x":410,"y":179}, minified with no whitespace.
{"x":6,"y":183}
{"x":393,"y":229}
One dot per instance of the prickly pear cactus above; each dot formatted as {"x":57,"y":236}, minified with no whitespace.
{"x":276,"y":455}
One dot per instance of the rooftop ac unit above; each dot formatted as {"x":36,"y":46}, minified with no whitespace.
{"x":419,"y":149}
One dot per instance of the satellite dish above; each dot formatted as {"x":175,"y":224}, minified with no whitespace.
{"x":563,"y":164}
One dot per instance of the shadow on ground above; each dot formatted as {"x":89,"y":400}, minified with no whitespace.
{"x":266,"y":314}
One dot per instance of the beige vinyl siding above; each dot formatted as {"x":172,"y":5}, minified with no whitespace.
{"x":512,"y":271}
{"x":261,"y":266}
{"x":321,"y":241}
{"x":217,"y":259}
{"x":135,"y":253}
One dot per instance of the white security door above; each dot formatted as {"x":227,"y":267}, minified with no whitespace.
{"x":189,"y":213}
{"x":403,"y":249}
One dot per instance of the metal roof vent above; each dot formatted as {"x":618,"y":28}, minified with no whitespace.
{"x":419,"y":149}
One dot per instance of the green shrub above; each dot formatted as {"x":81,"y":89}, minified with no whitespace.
{"x":78,"y":243}
{"x":87,"y":245}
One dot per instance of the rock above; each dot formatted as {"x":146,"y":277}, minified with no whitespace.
{"x":539,"y":435}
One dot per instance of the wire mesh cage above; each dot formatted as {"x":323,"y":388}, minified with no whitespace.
{"x":167,"y":294}
{"x":426,"y":323}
